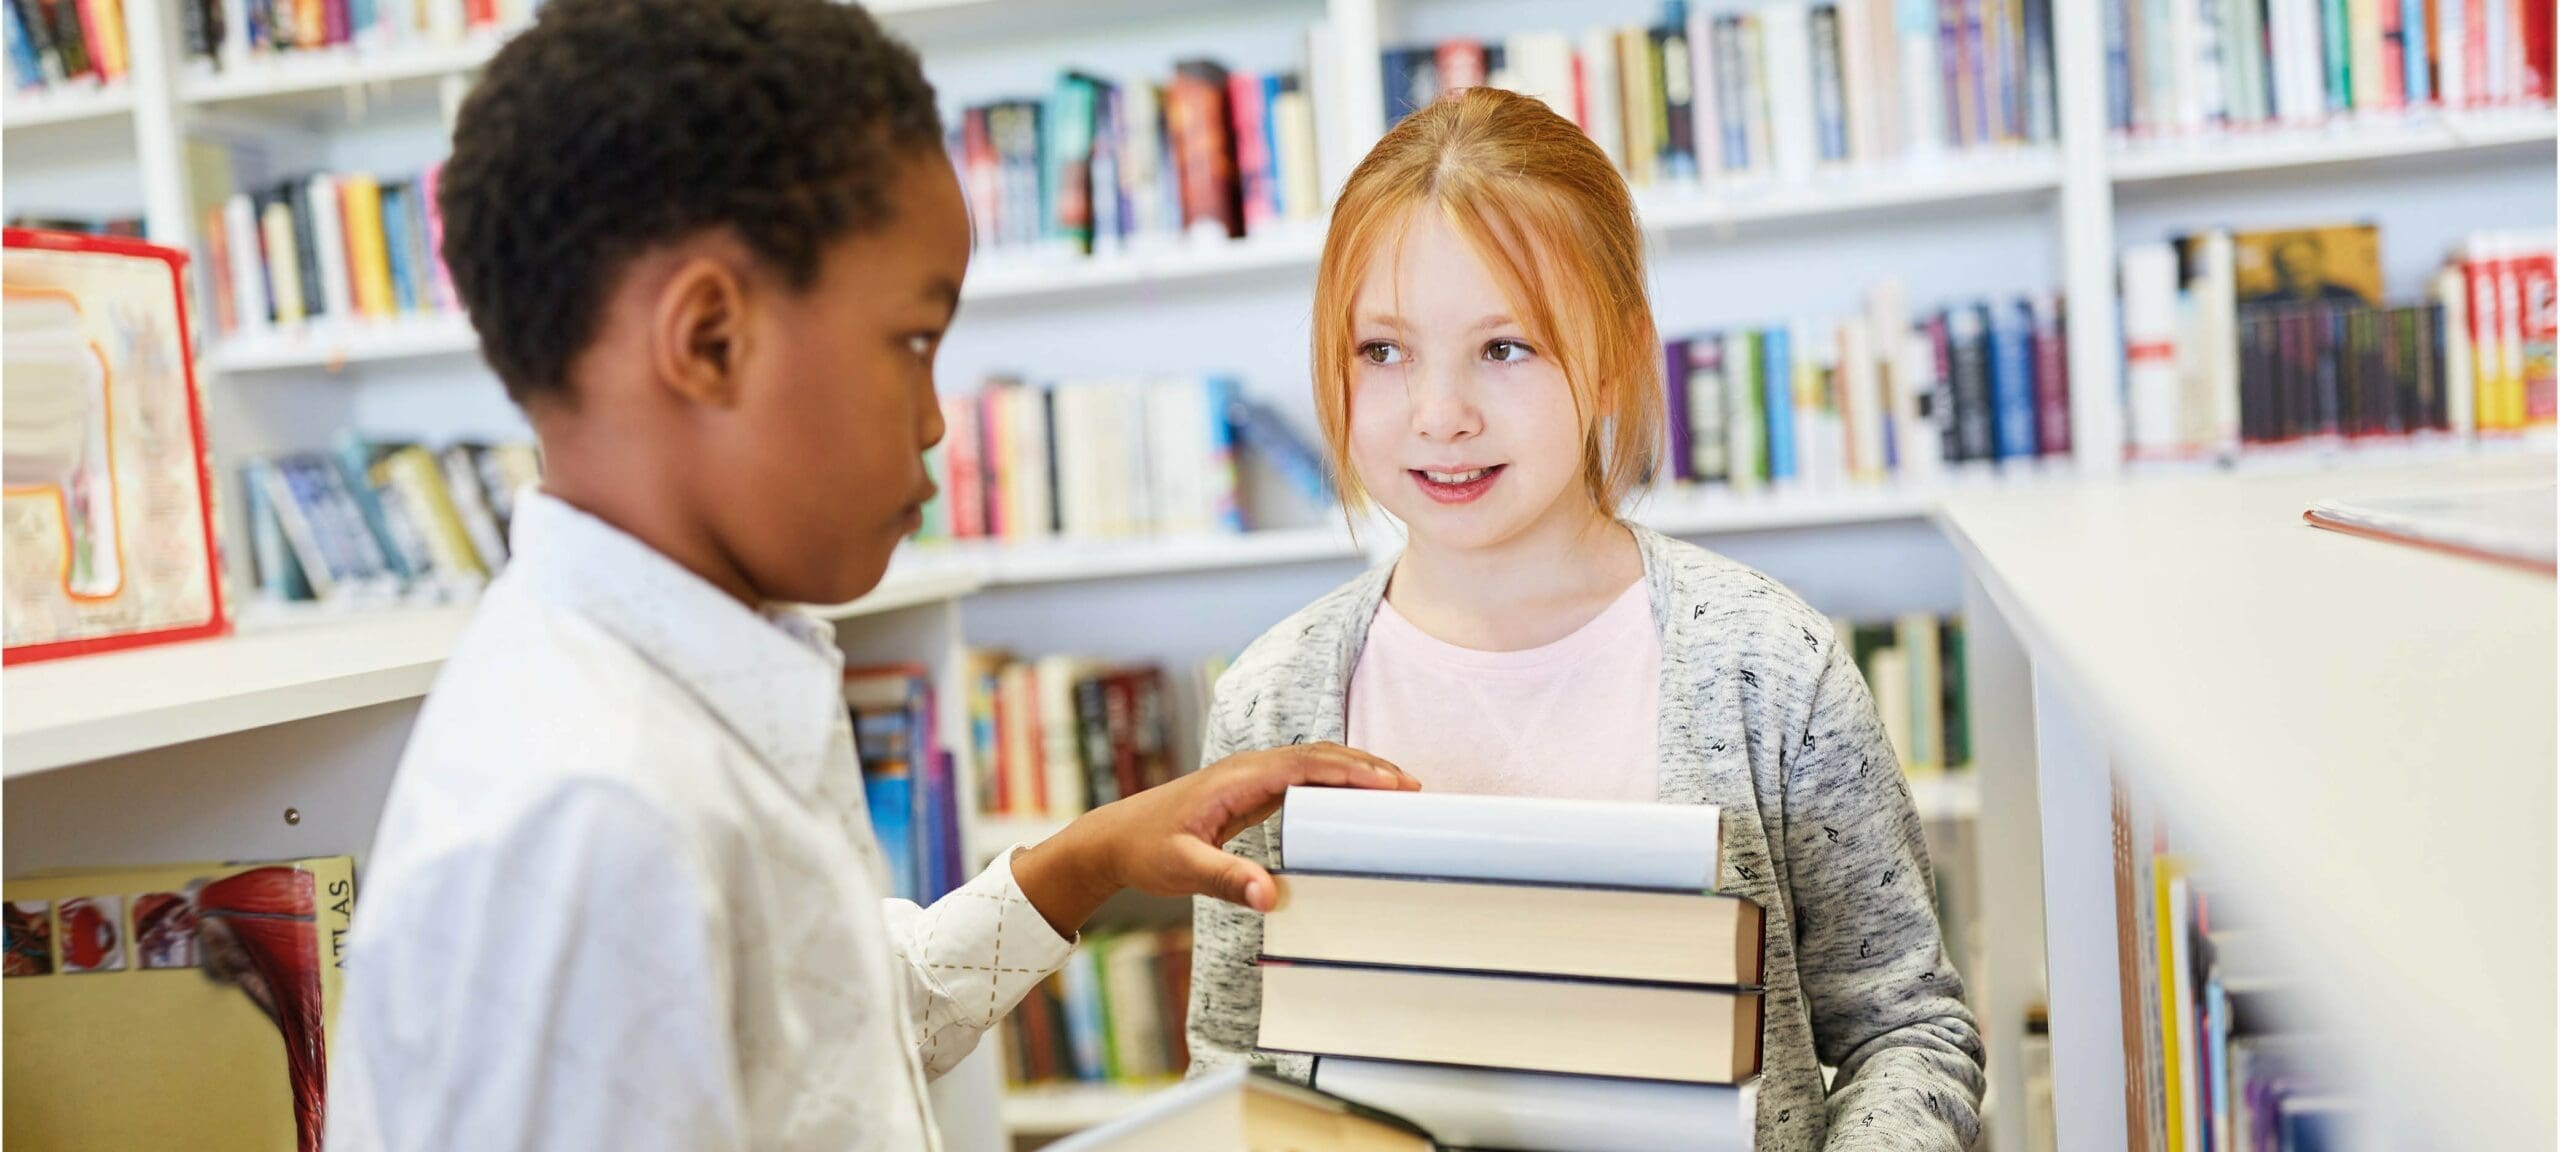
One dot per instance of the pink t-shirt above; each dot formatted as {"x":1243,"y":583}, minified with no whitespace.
{"x":1574,"y":719}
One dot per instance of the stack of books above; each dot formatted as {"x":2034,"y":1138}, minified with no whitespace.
{"x":1514,"y":973}
{"x":1115,"y":1014}
{"x":2176,"y":69}
{"x":379,"y":522}
{"x":1104,"y":166}
{"x":1869,"y":399}
{"x":1779,"y":91}
{"x":329,"y":247}
{"x":1099,"y":459}
{"x":907,"y":778}
{"x":2241,"y":340}
{"x":1054,"y":736}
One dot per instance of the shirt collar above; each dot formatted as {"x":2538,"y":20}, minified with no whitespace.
{"x":775,"y":678}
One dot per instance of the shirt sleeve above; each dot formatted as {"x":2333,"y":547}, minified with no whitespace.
{"x":560,"y":990}
{"x":969,"y":959}
{"x":1888,"y":1009}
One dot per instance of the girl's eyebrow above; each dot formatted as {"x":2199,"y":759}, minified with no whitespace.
{"x":1382,"y":320}
{"x":1493,"y":321}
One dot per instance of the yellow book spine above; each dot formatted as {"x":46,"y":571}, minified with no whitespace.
{"x":369,"y":251}
{"x":414,"y":474}
{"x":110,"y":17}
{"x":333,"y":884}
{"x":2165,"y":870}
{"x":284,"y":264}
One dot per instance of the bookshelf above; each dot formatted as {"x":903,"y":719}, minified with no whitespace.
{"x":320,"y":708}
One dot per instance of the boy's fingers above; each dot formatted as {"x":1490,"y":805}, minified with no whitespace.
{"x":1334,"y":765}
{"x":1214,"y":872}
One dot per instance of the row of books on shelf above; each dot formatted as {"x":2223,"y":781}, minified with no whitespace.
{"x":379,"y":522}
{"x":1053,"y":736}
{"x":1105,"y":458}
{"x":225,"y":33}
{"x":908,"y":778}
{"x":1780,"y":89}
{"x":1823,"y":403}
{"x":334,"y":247}
{"x":2241,"y":339}
{"x":1103,"y":166}
{"x":1115,"y":1013}
{"x":1914,"y":668}
{"x":2220,"y":1056}
{"x":65,"y":43}
{"x":2189,"y":67}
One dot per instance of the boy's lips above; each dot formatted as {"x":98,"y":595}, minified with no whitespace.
{"x":1456,"y":485}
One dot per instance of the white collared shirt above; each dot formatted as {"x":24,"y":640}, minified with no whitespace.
{"x":625,"y":893}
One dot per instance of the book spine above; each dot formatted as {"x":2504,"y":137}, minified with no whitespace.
{"x":1830,"y":124}
{"x":1956,"y":72}
{"x":1680,"y":104}
{"x":1916,"y":35}
{"x":370,"y":245}
{"x":2012,"y":382}
{"x":1253,"y":154}
{"x":2052,"y":380}
{"x":1710,"y":456}
{"x":1675,"y":396}
{"x":1969,"y":342}
{"x":1777,"y":368}
{"x":1747,"y":463}
{"x":2538,"y":324}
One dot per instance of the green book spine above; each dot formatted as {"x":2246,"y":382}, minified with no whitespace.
{"x":2336,"y":53}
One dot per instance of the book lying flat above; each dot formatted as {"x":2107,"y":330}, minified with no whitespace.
{"x":1644,"y":1031}
{"x":2506,"y":526}
{"x":1533,"y":929}
{"x":1671,"y":847}
{"x":1542,"y":1112}
{"x":1240,"y":1111}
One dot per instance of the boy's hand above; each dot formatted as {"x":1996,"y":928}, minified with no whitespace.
{"x":1166,"y":840}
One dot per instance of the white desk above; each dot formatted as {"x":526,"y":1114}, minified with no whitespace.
{"x":2357,"y":735}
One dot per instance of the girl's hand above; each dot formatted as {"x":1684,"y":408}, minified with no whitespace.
{"x":1166,"y":840}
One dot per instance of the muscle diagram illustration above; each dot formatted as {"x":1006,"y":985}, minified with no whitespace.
{"x":56,"y":433}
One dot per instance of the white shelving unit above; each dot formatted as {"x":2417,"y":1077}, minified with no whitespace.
{"x":193,"y":750}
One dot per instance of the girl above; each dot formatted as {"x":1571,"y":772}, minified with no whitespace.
{"x":1486,"y":370}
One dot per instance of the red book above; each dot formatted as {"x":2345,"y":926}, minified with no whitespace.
{"x":2533,"y":24}
{"x":2541,"y":324}
{"x":1204,"y":153}
{"x":334,"y":22}
{"x":963,"y":453}
{"x":2395,"y":84}
{"x":2475,"y":49}
{"x":2052,"y":379}
{"x":480,"y":13}
{"x":1461,"y":65}
{"x":984,"y":177}
{"x":1120,"y":710}
{"x":1246,"y":110}
{"x":96,"y":44}
{"x":217,"y":270}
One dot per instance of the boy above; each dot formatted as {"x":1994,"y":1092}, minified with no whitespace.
{"x":625,"y":893}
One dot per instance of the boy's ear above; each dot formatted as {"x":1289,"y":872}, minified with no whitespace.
{"x":698,"y":333}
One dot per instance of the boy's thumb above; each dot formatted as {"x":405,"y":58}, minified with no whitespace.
{"x":1227,"y":876}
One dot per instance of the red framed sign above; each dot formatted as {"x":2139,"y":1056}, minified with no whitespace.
{"x":106,"y":518}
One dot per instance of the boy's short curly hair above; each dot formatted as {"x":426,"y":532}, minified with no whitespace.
{"x":611,"y":126}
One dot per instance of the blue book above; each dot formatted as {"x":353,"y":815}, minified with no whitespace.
{"x":2119,"y":68}
{"x":2013,"y":389}
{"x":1830,"y":121}
{"x":1276,"y":184}
{"x":2413,"y":51}
{"x":892,"y":799}
{"x":1777,"y":376}
{"x":396,"y":241}
{"x":1262,"y":431}
{"x":1080,"y":993}
{"x":280,"y":575}
{"x":1675,"y":396}
{"x":360,"y":17}
{"x":1225,"y":480}
{"x":355,"y":463}
{"x":25,"y":70}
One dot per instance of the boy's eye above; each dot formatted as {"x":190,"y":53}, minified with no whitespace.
{"x":1381,"y":352}
{"x":1506,"y":351}
{"x":922,"y":344}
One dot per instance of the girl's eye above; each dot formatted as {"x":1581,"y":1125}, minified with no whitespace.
{"x":1381,"y":352}
{"x":1506,"y":351}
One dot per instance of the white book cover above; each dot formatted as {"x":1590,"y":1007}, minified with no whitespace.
{"x":1066,"y":410}
{"x":1787,"y":49}
{"x":248,"y":278}
{"x":1538,"y":1112}
{"x":1862,"y":397}
{"x":1916,"y":30}
{"x":2364,"y":53}
{"x":1919,"y":446}
{"x":2452,"y":80}
{"x":1889,"y":681}
{"x":2460,"y":388}
{"x":1031,"y":464}
{"x":329,"y":235}
{"x":1600,"y":96}
{"x":1752,"y":49}
{"x":2496,"y":85}
{"x":1174,"y":450}
{"x":1670,"y":847}
{"x":2218,"y":304}
{"x":2510,"y":524}
{"x":1301,"y":172}
{"x":2282,"y":61}
{"x":1706,"y":122}
{"x":2150,"y":299}
{"x":1858,"y":111}
{"x":2191,"y":1057}
{"x":284,"y":266}
{"x":1636,"y":110}
{"x":1053,"y":680}
{"x":1916,"y":634}
{"x":1541,"y":66}
{"x":1884,"y":80}
{"x":235,"y":33}
{"x":444,"y":20}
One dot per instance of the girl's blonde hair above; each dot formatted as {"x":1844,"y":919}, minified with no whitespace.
{"x":1548,"y":214}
